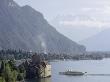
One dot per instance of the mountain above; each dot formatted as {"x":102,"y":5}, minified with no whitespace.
{"x":98,"y":42}
{"x":25,"y":28}
{"x":76,"y":27}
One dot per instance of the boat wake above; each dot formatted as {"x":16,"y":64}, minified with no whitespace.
{"x":97,"y":75}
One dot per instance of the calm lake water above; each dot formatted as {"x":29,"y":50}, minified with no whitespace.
{"x":89,"y":66}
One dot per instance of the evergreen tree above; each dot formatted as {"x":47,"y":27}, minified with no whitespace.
{"x":2,"y":70}
{"x":8,"y":74}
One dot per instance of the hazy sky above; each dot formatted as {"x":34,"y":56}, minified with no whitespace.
{"x":52,"y":8}
{"x":88,"y":13}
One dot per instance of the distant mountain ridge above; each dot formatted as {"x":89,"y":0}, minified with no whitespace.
{"x":25,"y":28}
{"x":98,"y":42}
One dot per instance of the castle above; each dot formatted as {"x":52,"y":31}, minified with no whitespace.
{"x":38,"y":67}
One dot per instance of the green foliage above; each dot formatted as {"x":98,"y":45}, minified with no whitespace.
{"x":9,"y":73}
{"x":2,"y":67}
{"x":2,"y":80}
{"x":21,"y":69}
{"x":15,"y":74}
{"x":20,"y":77}
{"x":12,"y":65}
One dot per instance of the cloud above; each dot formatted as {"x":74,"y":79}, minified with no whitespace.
{"x":106,"y":10}
{"x":87,"y":23}
{"x":87,"y":9}
{"x":97,"y":17}
{"x":101,"y":10}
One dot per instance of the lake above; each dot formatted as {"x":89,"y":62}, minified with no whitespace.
{"x":89,"y":66}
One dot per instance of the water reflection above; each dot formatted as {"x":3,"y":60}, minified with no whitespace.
{"x":39,"y":80}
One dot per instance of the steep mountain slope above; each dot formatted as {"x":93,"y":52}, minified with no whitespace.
{"x":24,"y":28}
{"x":98,"y":42}
{"x":76,"y":27}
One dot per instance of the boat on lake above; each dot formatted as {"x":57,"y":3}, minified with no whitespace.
{"x":72,"y":73}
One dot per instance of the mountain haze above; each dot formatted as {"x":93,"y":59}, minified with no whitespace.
{"x":76,"y":27}
{"x":98,"y":42}
{"x":27,"y":29}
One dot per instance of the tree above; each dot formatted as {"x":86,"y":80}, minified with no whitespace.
{"x":7,"y":74}
{"x":21,"y":68}
{"x":2,"y":71}
{"x":12,"y":65}
{"x":20,"y":77}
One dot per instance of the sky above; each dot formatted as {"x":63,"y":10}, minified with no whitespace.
{"x":85,"y":13}
{"x":52,"y":8}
